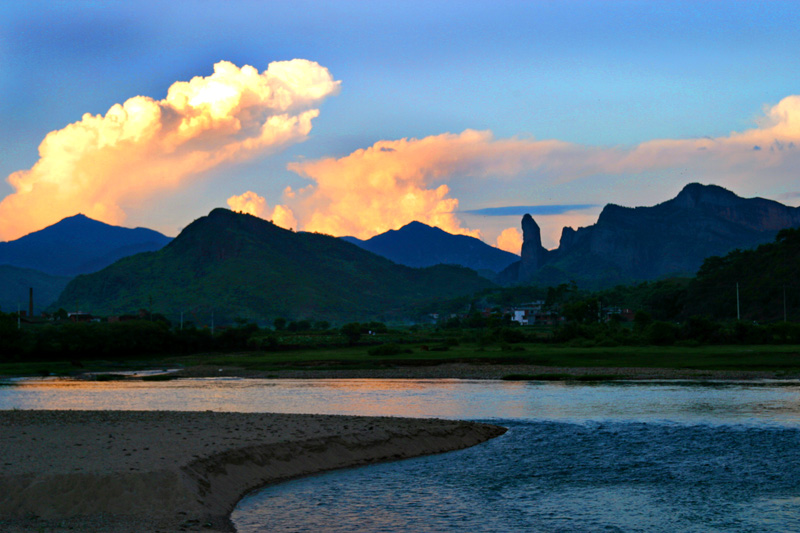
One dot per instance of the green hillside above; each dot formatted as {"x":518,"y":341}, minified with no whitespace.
{"x":240,"y":266}
{"x":15,"y":284}
{"x":764,"y":276}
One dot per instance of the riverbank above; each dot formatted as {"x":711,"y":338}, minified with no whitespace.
{"x":739,"y":362}
{"x":485,"y":371}
{"x":185,"y":471}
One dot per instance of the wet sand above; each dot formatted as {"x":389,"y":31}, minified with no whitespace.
{"x":126,"y":471}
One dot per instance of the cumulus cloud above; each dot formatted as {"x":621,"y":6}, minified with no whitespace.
{"x":394,"y":182}
{"x":103,"y":164}
{"x":253,"y":204}
{"x":249,"y":203}
{"x":510,"y":240}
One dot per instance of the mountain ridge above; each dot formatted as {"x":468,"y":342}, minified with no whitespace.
{"x":650,"y":242}
{"x":78,"y":245}
{"x":240,"y":266}
{"x":418,"y":245}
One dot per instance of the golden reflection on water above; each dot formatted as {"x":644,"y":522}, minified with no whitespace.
{"x":389,"y":397}
{"x":443,"y":398}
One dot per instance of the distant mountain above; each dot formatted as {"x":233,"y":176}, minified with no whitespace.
{"x":78,"y":245}
{"x":644,"y":243}
{"x":240,"y":266}
{"x":419,"y":245}
{"x":15,"y":285}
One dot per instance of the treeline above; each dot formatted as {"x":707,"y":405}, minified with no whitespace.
{"x":584,"y":327}
{"x":68,"y":341}
{"x":76,"y":341}
{"x":760,"y":285}
{"x":694,"y":331}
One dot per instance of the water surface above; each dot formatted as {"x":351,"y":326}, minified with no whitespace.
{"x":711,"y":403}
{"x":625,"y":456}
{"x":558,"y":476}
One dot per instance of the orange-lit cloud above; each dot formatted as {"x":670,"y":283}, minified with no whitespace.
{"x":391,"y":183}
{"x":256,"y":205}
{"x":510,"y":240}
{"x":394,"y":182}
{"x":105,"y":164}
{"x":249,"y":203}
{"x":752,"y":161}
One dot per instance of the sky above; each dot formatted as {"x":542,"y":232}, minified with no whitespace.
{"x":353,"y":118}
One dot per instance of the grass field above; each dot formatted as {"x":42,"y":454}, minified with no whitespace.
{"x":775,"y":358}
{"x":767,"y":357}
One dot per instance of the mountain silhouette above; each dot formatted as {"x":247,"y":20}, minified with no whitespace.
{"x":78,"y":245}
{"x":419,"y":245}
{"x":239,"y":266}
{"x":645,"y":243}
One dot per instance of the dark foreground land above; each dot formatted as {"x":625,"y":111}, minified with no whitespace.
{"x":132,"y":471}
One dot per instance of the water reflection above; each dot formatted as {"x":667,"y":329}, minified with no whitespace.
{"x":714,"y":403}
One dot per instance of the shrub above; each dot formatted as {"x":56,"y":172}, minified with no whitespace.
{"x":512,"y":336}
{"x":352,"y":331}
{"x":505,"y":347}
{"x":388,"y":349}
{"x":688,"y":343}
{"x":661,"y":333}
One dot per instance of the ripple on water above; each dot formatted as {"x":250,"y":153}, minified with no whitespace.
{"x":556,"y":476}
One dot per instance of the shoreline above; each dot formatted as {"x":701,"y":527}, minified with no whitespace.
{"x":485,"y":371}
{"x":170,"y":471}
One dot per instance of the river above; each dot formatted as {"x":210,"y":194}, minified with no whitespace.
{"x":623,"y":456}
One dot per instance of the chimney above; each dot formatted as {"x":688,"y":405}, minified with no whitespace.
{"x":30,"y":303}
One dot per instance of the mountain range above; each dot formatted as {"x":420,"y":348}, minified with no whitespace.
{"x":645,"y":243}
{"x":78,"y":245}
{"x":239,"y":266}
{"x":419,"y":245}
{"x":242,"y":266}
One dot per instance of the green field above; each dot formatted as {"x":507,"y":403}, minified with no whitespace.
{"x":784,"y":359}
{"x":763,"y":357}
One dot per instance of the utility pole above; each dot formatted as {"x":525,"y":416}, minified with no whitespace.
{"x":738,"y":314}
{"x":181,"y":320}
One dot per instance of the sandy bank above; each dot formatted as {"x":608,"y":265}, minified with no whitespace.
{"x":482,"y":371}
{"x":168,"y":471}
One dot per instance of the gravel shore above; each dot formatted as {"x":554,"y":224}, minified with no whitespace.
{"x":480,"y":371}
{"x":126,"y":471}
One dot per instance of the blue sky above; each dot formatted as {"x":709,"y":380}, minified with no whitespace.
{"x":598,"y":76}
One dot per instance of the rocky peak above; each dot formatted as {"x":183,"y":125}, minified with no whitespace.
{"x":567,"y":238}
{"x":533,"y":253}
{"x":696,"y":194}
{"x":531,"y":234}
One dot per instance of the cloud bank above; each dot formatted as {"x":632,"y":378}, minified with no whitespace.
{"x":105,"y":164}
{"x":393,"y":182}
{"x":520,"y":210}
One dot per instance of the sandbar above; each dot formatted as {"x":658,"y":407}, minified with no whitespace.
{"x":127,"y":471}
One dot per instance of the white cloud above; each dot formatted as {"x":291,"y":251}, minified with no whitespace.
{"x":103,"y":163}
